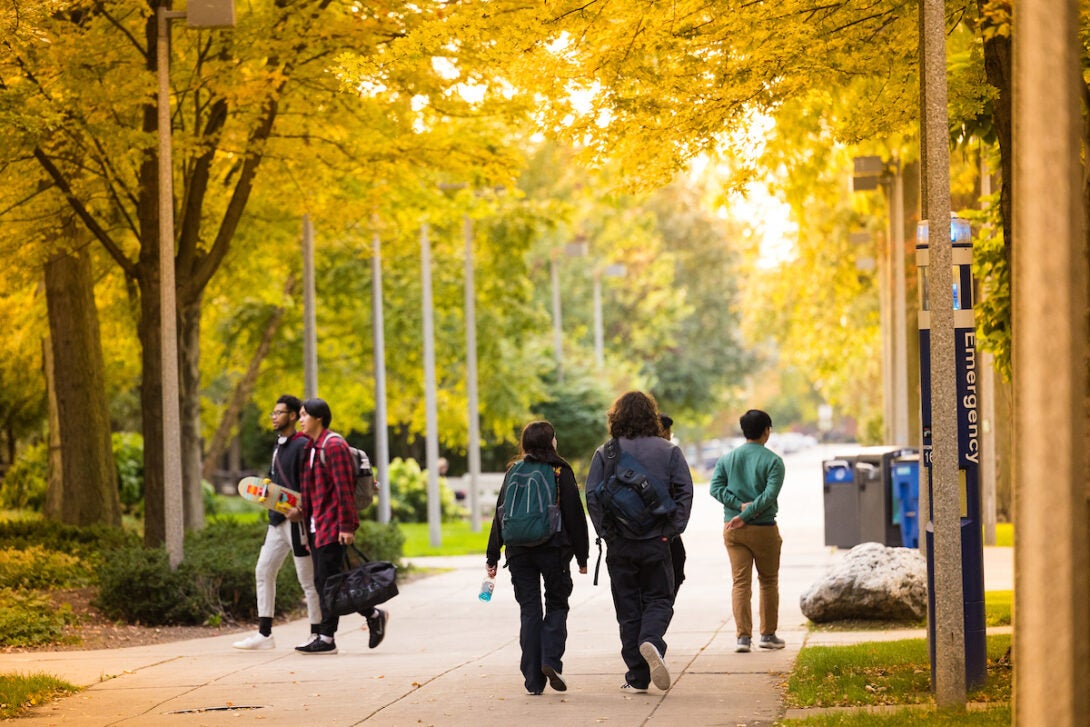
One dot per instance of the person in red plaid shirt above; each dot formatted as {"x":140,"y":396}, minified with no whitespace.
{"x":329,"y":510}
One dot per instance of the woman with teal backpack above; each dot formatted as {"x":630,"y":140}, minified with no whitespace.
{"x":539,"y":484}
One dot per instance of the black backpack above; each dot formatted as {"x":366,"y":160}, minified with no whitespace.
{"x":634,"y":504}
{"x":365,"y":486}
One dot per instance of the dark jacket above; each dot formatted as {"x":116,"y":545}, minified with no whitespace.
{"x":573,"y":533}
{"x":663,"y":461}
{"x":287,"y":463}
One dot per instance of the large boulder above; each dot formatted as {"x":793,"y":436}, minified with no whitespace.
{"x":871,"y":582}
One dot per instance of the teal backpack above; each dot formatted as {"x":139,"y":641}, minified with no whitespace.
{"x":530,"y":511}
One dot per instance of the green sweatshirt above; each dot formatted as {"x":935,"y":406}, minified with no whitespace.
{"x":751,"y":473}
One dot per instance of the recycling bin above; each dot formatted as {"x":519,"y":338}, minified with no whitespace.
{"x":905,"y":476}
{"x":861,"y":502}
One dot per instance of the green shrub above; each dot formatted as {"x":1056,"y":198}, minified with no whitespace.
{"x":215,"y":580}
{"x":221,"y":560}
{"x":409,"y":495}
{"x":138,"y":585}
{"x":30,"y":619}
{"x":381,"y":542}
{"x":83,"y":542}
{"x":36,"y":567}
{"x":129,"y":456}
{"x":86,"y":543}
{"x":25,"y":483}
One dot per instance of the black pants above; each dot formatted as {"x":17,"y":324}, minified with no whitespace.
{"x":677,"y":558}
{"x":328,"y":561}
{"x":542,"y":635}
{"x":641,"y":575}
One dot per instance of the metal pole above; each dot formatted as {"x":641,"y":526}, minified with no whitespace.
{"x":558,"y":329}
{"x":1049,"y":283}
{"x":885,"y":305}
{"x":378,"y":332}
{"x":173,"y":512}
{"x":310,"y":327}
{"x":599,"y":337}
{"x":948,"y":618}
{"x":900,"y":329}
{"x":435,"y":533}
{"x":474,"y":438}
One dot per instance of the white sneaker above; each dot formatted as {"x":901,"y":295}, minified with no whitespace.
{"x":256,"y":642}
{"x":660,"y":675}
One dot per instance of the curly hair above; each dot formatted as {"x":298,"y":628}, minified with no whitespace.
{"x":634,"y":414}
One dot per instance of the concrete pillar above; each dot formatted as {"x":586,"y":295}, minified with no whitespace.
{"x":1049,"y":278}
{"x":948,"y":624}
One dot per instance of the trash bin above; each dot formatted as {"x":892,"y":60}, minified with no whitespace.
{"x":861,"y":503}
{"x":905,"y":476}
{"x":841,"y":503}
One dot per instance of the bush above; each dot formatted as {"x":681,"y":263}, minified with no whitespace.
{"x":138,"y":585}
{"x":86,"y":543}
{"x":26,"y":482}
{"x":30,"y":619}
{"x":129,"y":456}
{"x":216,"y":579}
{"x":409,"y":495}
{"x":36,"y":567}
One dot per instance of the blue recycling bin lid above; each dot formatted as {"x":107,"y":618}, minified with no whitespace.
{"x":838,"y":472}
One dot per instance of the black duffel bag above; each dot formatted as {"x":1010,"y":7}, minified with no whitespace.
{"x":359,"y":588}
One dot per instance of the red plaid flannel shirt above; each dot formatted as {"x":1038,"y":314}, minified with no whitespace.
{"x":329,"y":507}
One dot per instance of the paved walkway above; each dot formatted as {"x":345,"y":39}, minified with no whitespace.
{"x":449,"y":659}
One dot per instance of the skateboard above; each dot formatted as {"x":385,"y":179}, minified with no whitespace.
{"x":265,"y":492}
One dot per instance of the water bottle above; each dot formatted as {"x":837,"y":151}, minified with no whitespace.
{"x":487,"y":586}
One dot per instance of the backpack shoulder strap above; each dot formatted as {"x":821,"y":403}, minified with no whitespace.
{"x":321,"y":448}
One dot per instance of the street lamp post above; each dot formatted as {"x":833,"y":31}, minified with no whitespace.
{"x":202,"y":14}
{"x":610,"y":271}
{"x":576,"y":248}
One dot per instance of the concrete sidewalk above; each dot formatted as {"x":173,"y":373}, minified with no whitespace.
{"x":449,"y":659}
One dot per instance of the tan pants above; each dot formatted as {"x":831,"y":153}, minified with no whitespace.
{"x":748,"y":546}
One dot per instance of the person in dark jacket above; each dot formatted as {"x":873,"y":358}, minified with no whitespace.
{"x":283,"y":537}
{"x":543,"y":634}
{"x":640,"y":567}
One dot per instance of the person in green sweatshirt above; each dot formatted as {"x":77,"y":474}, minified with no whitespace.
{"x":747,"y":481}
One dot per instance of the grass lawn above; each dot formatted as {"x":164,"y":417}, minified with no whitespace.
{"x":890,"y":674}
{"x":21,"y":691}
{"x":456,"y":538}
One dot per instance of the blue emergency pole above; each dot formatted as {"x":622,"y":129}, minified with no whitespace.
{"x":972,"y":545}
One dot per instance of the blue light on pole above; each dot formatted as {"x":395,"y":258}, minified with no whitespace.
{"x":965,"y":371}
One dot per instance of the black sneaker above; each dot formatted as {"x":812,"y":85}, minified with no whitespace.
{"x":318,"y":647}
{"x":743,"y":645}
{"x":556,"y":681}
{"x":376,"y":626}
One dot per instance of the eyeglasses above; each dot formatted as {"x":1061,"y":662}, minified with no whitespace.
{"x":278,"y":412}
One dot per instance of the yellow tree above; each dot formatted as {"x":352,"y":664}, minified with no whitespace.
{"x":77,"y":82}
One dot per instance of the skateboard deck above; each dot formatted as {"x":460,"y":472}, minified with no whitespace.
{"x":266,"y":492}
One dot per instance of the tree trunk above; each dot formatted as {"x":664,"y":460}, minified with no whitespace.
{"x":225,"y":433}
{"x":82,"y":486}
{"x":189,"y":375}
{"x":151,"y":400}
